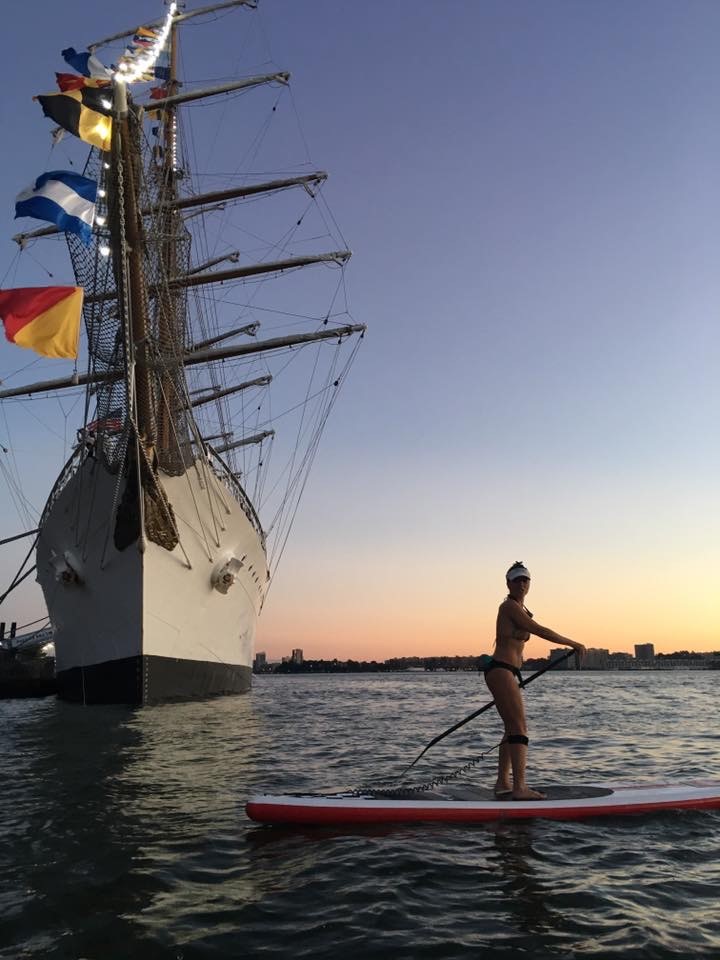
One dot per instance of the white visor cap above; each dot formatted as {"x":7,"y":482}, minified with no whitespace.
{"x":514,"y":573}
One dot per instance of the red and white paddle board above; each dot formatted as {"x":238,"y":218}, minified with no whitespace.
{"x":473,"y":805}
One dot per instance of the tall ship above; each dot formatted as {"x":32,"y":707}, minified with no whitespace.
{"x":202,"y":351}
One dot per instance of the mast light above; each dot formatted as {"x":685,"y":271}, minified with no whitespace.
{"x":131,"y":73}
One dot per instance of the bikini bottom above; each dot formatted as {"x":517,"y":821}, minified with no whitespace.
{"x":495,"y":664}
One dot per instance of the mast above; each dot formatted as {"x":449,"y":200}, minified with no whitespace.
{"x":238,"y":273}
{"x":277,"y":343}
{"x":171,"y":323}
{"x":62,"y":383}
{"x":308,"y":181}
{"x":216,"y":394}
{"x":250,"y":329}
{"x":128,"y":242}
{"x":171,"y":101}
{"x":178,"y":18}
{"x":245,"y":442}
{"x":193,"y":357}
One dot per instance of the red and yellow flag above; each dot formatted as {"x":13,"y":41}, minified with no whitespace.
{"x":44,"y":319}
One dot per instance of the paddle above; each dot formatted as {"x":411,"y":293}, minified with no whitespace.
{"x":476,"y":713}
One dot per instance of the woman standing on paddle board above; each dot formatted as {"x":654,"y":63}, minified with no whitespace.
{"x":514,"y":626}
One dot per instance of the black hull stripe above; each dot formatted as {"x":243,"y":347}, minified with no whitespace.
{"x":137,"y":680}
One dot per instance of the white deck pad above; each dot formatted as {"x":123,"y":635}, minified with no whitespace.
{"x":467,"y":804}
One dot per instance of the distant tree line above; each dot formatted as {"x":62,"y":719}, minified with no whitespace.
{"x":393,"y":665}
{"x":686,"y":655}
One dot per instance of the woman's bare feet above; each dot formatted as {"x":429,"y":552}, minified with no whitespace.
{"x":527,"y":794}
{"x":502,"y":790}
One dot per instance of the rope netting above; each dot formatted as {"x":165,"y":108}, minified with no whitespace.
{"x":165,"y":241}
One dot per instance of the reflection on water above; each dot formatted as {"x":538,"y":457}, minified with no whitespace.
{"x":108,"y":802}
{"x":124,"y":832}
{"x":524,"y":894}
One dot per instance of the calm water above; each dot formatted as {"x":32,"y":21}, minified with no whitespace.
{"x":123,"y":833}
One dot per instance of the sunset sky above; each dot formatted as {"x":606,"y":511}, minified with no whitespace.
{"x":531,"y":191}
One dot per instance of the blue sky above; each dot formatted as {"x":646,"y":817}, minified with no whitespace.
{"x":530,"y":190}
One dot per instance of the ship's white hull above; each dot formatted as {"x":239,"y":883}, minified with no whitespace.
{"x":145,"y":624}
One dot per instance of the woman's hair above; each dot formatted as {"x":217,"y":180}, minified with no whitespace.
{"x":518,"y":569}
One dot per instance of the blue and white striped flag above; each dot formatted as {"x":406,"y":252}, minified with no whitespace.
{"x":64,"y":198}
{"x":86,"y":63}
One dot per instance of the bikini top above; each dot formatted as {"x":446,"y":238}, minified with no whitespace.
{"x":508,"y":597}
{"x":525,"y":640}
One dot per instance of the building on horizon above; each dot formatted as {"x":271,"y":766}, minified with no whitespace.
{"x":297,"y":656}
{"x":260,"y":663}
{"x":596,"y":658}
{"x":645,"y":652}
{"x":558,"y":652}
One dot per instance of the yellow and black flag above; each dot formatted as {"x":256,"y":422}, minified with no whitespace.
{"x":84,"y":112}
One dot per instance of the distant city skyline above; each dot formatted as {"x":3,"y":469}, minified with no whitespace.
{"x":595,"y":657}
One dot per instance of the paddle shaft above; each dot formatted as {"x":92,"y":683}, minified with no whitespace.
{"x":476,"y":713}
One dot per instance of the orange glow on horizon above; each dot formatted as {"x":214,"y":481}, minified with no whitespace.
{"x":387,"y":638}
{"x":438,"y":595}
